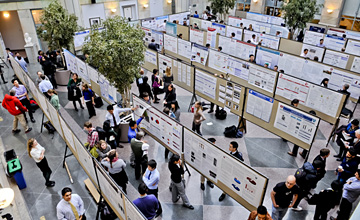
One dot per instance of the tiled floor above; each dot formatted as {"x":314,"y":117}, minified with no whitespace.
{"x":261,"y":149}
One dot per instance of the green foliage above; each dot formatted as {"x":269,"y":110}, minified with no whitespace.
{"x":117,"y":51}
{"x":58,"y":27}
{"x":221,"y":7}
{"x":299,"y":12}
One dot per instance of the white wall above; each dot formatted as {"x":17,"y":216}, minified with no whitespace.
{"x":92,"y":11}
{"x":11,"y":31}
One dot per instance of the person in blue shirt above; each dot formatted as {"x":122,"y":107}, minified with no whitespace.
{"x":133,"y":129}
{"x":348,"y":166}
{"x":45,"y":86}
{"x":151,"y":178}
{"x":89,"y":99}
{"x":196,"y":15}
{"x":147,"y":204}
{"x":345,"y":130}
{"x":21,"y":61}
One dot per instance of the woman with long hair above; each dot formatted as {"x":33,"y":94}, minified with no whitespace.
{"x":156,"y":84}
{"x":168,"y":78}
{"x":102,"y":149}
{"x":170,"y":96}
{"x":54,"y":99}
{"x":88,"y":98}
{"x":36,"y":151}
{"x":74,"y":93}
{"x":198,"y":118}
{"x":116,"y":168}
{"x":175,"y":111}
{"x":324,"y":82}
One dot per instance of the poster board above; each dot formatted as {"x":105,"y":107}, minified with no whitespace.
{"x":292,"y":88}
{"x":171,"y":29}
{"x":3,"y":47}
{"x":232,"y":176}
{"x":259,"y":105}
{"x":93,"y":73}
{"x":160,"y":22}
{"x":267,"y":56}
{"x":290,"y":46}
{"x":207,"y":86}
{"x":262,"y":79}
{"x":238,"y":70}
{"x":211,"y":37}
{"x":234,"y":21}
{"x":151,"y":60}
{"x":291,"y":64}
{"x":170,"y":44}
{"x":198,"y":36}
{"x":284,"y":32}
{"x":108,"y":92}
{"x":161,"y":127}
{"x":237,"y":31}
{"x":312,"y":37}
{"x":184,"y":49}
{"x":220,"y":28}
{"x":82,"y":70}
{"x":269,"y":41}
{"x":183,"y":75}
{"x":79,"y":39}
{"x":336,"y":58}
{"x":148,"y":23}
{"x":231,"y":95}
{"x":353,"y":47}
{"x":228,"y":45}
{"x":68,"y":136}
{"x":244,"y":50}
{"x":199,"y":54}
{"x":164,"y":62}
{"x":313,"y":51}
{"x":218,"y":61}
{"x":132,"y":212}
{"x":205,"y":24}
{"x":248,"y":35}
{"x":184,"y":30}
{"x":355,"y":66}
{"x":334,"y":42}
{"x":340,"y":77}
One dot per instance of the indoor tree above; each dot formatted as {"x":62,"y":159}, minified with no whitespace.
{"x":117,"y":50}
{"x":222,"y":7}
{"x":297,"y":13}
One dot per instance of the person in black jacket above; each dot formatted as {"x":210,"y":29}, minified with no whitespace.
{"x":170,"y":96}
{"x":177,"y":185}
{"x":153,"y":45}
{"x":2,"y":74}
{"x":140,"y":80}
{"x":145,"y":87}
{"x":345,"y":91}
{"x":49,"y":70}
{"x":324,"y":153}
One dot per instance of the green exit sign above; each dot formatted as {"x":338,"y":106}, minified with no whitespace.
{"x":14,"y":165}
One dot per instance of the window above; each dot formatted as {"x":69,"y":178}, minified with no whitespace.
{"x":350,"y":18}
{"x":273,"y":7}
{"x":243,"y":5}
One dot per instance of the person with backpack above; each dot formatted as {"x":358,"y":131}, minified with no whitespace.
{"x":306,"y":179}
{"x":88,"y":98}
{"x":93,"y":135}
{"x":116,"y":168}
{"x":110,"y":134}
{"x":145,"y":88}
{"x":136,"y":145}
{"x":345,"y":130}
{"x":324,"y":153}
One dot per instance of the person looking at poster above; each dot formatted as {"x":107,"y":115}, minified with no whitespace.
{"x":167,"y":78}
{"x":147,"y":204}
{"x":116,"y":168}
{"x":305,"y":54}
{"x":198,"y":118}
{"x":252,"y":58}
{"x":324,"y":82}
{"x":156,"y":84}
{"x":260,"y":214}
{"x":348,"y":132}
{"x":321,"y":44}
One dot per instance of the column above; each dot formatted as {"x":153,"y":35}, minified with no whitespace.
{"x":28,"y":26}
{"x":257,"y":6}
{"x":73,"y":7}
{"x":331,"y":13}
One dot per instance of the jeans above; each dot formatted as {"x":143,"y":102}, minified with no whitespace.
{"x":278,"y":213}
{"x":179,"y":189}
{"x":25,"y":102}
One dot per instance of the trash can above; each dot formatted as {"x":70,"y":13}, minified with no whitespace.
{"x":14,"y":168}
{"x":124,"y":128}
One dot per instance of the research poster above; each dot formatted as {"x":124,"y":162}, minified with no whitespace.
{"x":234,"y":21}
{"x":269,"y":41}
{"x":262,"y":78}
{"x":199,"y":54}
{"x":334,"y":42}
{"x":244,"y":50}
{"x":148,"y":23}
{"x":82,"y":70}
{"x":248,"y":35}
{"x":79,"y":39}
{"x":220,"y":28}
{"x":296,"y":123}
{"x":218,"y":61}
{"x":267,"y":56}
{"x":164,"y":62}
{"x":68,"y":135}
{"x":284,"y":32}
{"x":211,"y":37}
{"x":170,"y":43}
{"x":70,"y":61}
{"x":292,"y":88}
{"x":335,"y":32}
{"x":54,"y":118}
{"x":336,"y":59}
{"x":238,"y":68}
{"x":184,"y":48}
{"x":107,"y":90}
{"x":315,"y":72}
{"x":228,"y":45}
{"x":205,"y":24}
{"x":353,"y":47}
{"x":352,"y":35}
{"x":356,"y":65}
{"x":184,"y":72}
{"x":132,"y":212}
{"x":291,"y":65}
{"x":150,"y":57}
{"x":259,"y":105}
{"x":93,"y":73}
{"x":197,"y":36}
{"x":236,"y":31}
{"x":110,"y":191}
{"x":171,"y":29}
{"x":312,"y":37}
{"x":205,"y":84}
{"x":159,"y":22}
{"x":157,"y":36}
{"x":324,"y":100}
{"x":339,"y":78}
{"x":262,"y":27}
{"x":313,"y":51}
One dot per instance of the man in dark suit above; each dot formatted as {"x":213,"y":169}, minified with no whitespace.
{"x":345,"y":91}
{"x":233,"y":148}
{"x":152,"y":45}
{"x":324,"y":153}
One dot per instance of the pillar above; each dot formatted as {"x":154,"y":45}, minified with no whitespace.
{"x":27,"y":26}
{"x":257,"y":6}
{"x":73,"y":7}
{"x":333,"y":18}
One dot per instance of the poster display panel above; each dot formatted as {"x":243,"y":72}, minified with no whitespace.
{"x":269,"y":41}
{"x":150,"y":57}
{"x":313,"y":51}
{"x":296,"y":123}
{"x":234,"y":21}
{"x":356,"y":65}
{"x":164,"y":62}
{"x":199,"y":54}
{"x":244,"y":50}
{"x":312,"y":37}
{"x":334,"y":42}
{"x":237,"y":31}
{"x":205,"y":24}
{"x":352,"y":35}
{"x":70,"y":61}
{"x":54,"y":118}
{"x":220,"y":28}
{"x":86,"y":160}
{"x":292,"y":88}
{"x":205,"y":84}
{"x":170,"y":43}
{"x":2,"y":45}
{"x":184,"y":72}
{"x":197,"y":36}
{"x":248,"y":35}
{"x":211,"y":37}
{"x":184,"y":48}
{"x":315,"y":72}
{"x":171,"y":29}
{"x":82,"y":70}
{"x":336,"y":59}
{"x":264,"y":55}
{"x":259,"y":105}
{"x":93,"y":73}
{"x":335,"y":32}
{"x":262,"y":78}
{"x":218,"y":61}
{"x":132,"y":213}
{"x":79,"y":39}
{"x":148,"y":23}
{"x":228,"y":45}
{"x":339,"y":78}
{"x":238,"y":68}
{"x":160,"y":22}
{"x":68,"y":135}
{"x":291,"y":65}
{"x":107,"y":90}
{"x":284,"y":32}
{"x":353,"y":47}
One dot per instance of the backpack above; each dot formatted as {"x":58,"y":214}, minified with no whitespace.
{"x":101,"y":133}
{"x":33,"y":104}
{"x":230,"y":131}
{"x":106,"y":125}
{"x":93,"y":152}
{"x":221,"y":114}
{"x":300,"y":175}
{"x":49,"y":127}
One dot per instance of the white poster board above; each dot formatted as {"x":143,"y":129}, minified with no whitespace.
{"x":269,"y":41}
{"x":228,"y":45}
{"x":291,"y":64}
{"x":93,"y":73}
{"x":184,"y":72}
{"x":336,"y":59}
{"x":259,"y":105}
{"x":312,"y":37}
{"x":292,"y":88}
{"x":262,"y":78}
{"x":68,"y":135}
{"x":334,"y":42}
{"x":238,"y":68}
{"x":164,"y":62}
{"x":79,"y":39}
{"x":211,"y":37}
{"x":197,"y":36}
{"x":170,"y":43}
{"x":218,"y":61}
{"x":54,"y":118}
{"x":82,"y":70}
{"x":132,"y":212}
{"x":244,"y":50}
{"x":150,"y":57}
{"x":205,"y":84}
{"x":70,"y":61}
{"x":339,"y":78}
{"x":237,"y":31}
{"x":199,"y":54}
{"x":353,"y":47}
{"x":315,"y":72}
{"x":313,"y":51}
{"x":184,"y":48}
{"x":86,"y":160}
{"x":220,"y":28}
{"x":205,"y":24}
{"x":267,"y":56}
{"x":356,"y":65}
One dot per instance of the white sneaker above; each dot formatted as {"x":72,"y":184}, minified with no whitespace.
{"x":297,"y":209}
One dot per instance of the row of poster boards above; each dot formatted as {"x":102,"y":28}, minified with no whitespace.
{"x":240,"y":181}
{"x":157,"y":23}
{"x":119,"y":202}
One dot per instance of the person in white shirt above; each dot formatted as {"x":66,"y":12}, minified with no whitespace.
{"x":305,"y":54}
{"x":254,"y":40}
{"x":321,"y":44}
{"x":45,"y":85}
{"x":36,"y":151}
{"x":70,"y":207}
{"x":204,"y":16}
{"x":162,"y":27}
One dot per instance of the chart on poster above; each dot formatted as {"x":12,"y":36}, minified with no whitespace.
{"x":184,"y":72}
{"x":296,"y":123}
{"x":262,"y":78}
{"x":313,"y":51}
{"x":197,"y":36}
{"x":356,"y":65}
{"x":292,"y":88}
{"x":259,"y":105}
{"x":353,"y":47}
{"x":199,"y":54}
{"x":205,"y":84}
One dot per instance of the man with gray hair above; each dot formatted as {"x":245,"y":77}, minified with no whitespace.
{"x":139,"y":148}
{"x":39,"y":79}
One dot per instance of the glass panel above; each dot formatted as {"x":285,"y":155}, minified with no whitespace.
{"x":270,"y":2}
{"x":269,"y":10}
{"x":356,"y":25}
{"x":36,"y":16}
{"x":346,"y":22}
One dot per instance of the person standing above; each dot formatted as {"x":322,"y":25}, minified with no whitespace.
{"x":137,"y":149}
{"x":70,"y":207}
{"x":54,"y":99}
{"x":196,"y":15}
{"x":151,"y":178}
{"x":133,"y":129}
{"x":260,"y":214}
{"x":294,"y":103}
{"x":156,"y":84}
{"x":88,"y":98}
{"x":9,"y":53}
{"x":44,"y":86}
{"x":92,"y":135}
{"x":349,"y":131}
{"x":22,"y":95}
{"x":324,"y":153}
{"x":74,"y":93}
{"x":177,"y":185}
{"x":167,"y":78}
{"x":2,"y":74}
{"x":140,"y":81}
{"x":202,"y":178}
{"x":198,"y":118}
{"x":348,"y":166}
{"x":147,"y":204}
{"x":116,"y":168}
{"x":170,"y":96}
{"x":145,"y":88}
{"x":14,"y":107}
{"x":49,"y":70}
{"x":21,"y":61}
{"x":39,"y":79}
{"x":36,"y":151}
{"x":102,"y":149}
{"x":283,"y":196}
{"x":350,"y":194}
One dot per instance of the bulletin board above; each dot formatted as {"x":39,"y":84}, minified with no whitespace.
{"x":184,"y":30}
{"x":195,"y":20}
{"x":198,"y":36}
{"x":237,"y":179}
{"x":183,"y":74}
{"x":231,"y":95}
{"x":150,"y":64}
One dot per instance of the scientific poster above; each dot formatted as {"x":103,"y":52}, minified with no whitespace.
{"x":171,"y":29}
{"x":228,"y":45}
{"x":315,"y":72}
{"x":205,"y":84}
{"x":79,"y":39}
{"x":292,"y":65}
{"x":248,"y":35}
{"x":220,"y":28}
{"x":218,"y":61}
{"x":313,"y":51}
{"x":150,"y":57}
{"x":170,"y":43}
{"x":148,"y":23}
{"x":205,"y":24}
{"x":296,"y":123}
{"x":259,"y":105}
{"x":353,"y":47}
{"x":284,"y":32}
{"x":107,"y":90}
{"x":184,"y":48}
{"x":184,"y":73}
{"x":93,"y":73}
{"x":132,"y":212}
{"x":312,"y":37}
{"x":262,"y":78}
{"x":148,"y":36}
{"x":211,"y":37}
{"x":234,"y":21}
{"x":244,"y":50}
{"x":164,"y":62}
{"x":237,"y":31}
{"x":335,"y":32}
{"x":267,"y":56}
{"x":336,"y":59}
{"x":339,"y":78}
{"x":292,"y":88}
{"x":269,"y":41}
{"x":238,"y":68}
{"x":54,"y":118}
{"x":356,"y":65}
{"x":334,"y":42}
{"x":199,"y":54}
{"x":159,"y":22}
{"x":82,"y":70}
{"x":70,"y":61}
{"x":68,"y":135}
{"x":197,"y":36}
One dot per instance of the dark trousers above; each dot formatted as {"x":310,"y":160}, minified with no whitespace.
{"x":320,"y":213}
{"x":47,"y":95}
{"x":140,"y":167}
{"x":301,"y":195}
{"x":118,"y":133}
{"x":90,"y":108}
{"x":167,"y":151}
{"x":196,"y":128}
{"x":2,"y":77}
{"x":25,"y":102}
{"x":296,"y":149}
{"x":345,"y":210}
{"x":52,"y":80}
{"x":212,"y":107}
{"x":45,"y":169}
{"x":155,"y":193}
{"x":342,"y":151}
{"x":116,"y":177}
{"x":74,"y":103}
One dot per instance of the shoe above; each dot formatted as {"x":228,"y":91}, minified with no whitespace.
{"x":337,"y":155}
{"x":50,"y":184}
{"x":210,"y":184}
{"x":82,"y":107}
{"x":120,"y":146}
{"x":16,"y":131}
{"x":332,"y":218}
{"x":298,"y":209}
{"x":156,"y":102}
{"x":291,"y":154}
{"x":302,"y":155}
{"x":189,"y":207}
{"x":90,"y":116}
{"x":339,"y":159}
{"x":76,"y":109}
{"x":177,"y":199}
{"x":202,"y":186}
{"x":32,"y":120}
{"x":28,"y":130}
{"x":222,"y":197}
{"x":211,"y":111}
{"x":5,"y":82}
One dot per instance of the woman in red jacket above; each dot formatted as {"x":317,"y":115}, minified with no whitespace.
{"x":14,"y":107}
